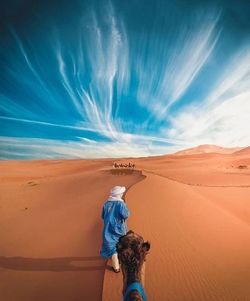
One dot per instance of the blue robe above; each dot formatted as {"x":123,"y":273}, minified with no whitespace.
{"x":114,"y":214}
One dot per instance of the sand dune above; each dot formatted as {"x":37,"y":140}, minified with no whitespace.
{"x":201,"y":169}
{"x":208,"y":148}
{"x":194,"y":209}
{"x":51,"y":229}
{"x":199,"y":251}
{"x":244,"y":151}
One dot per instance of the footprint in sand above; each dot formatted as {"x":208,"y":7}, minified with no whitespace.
{"x":31,"y":183}
{"x":24,"y":209}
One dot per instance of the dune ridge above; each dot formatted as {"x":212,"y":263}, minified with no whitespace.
{"x":209,"y":148}
{"x":244,"y":151}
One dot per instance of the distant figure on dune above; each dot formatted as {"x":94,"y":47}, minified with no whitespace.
{"x":114,"y":214}
{"x":129,"y":165}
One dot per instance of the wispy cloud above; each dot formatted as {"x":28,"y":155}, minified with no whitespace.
{"x":37,"y":85}
{"x":169,"y":78}
{"x":31,"y":121}
{"x":105,"y":54}
{"x":33,"y":148}
{"x":235,"y":78}
{"x":122,"y":136}
{"x":222,"y":117}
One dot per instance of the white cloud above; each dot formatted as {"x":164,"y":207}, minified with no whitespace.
{"x":235,"y":78}
{"x":179,"y":66}
{"x":34,"y":148}
{"x":223,"y":117}
{"x":122,"y":137}
{"x":107,"y":54}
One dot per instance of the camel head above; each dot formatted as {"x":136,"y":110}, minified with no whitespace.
{"x":131,"y":247}
{"x":132,"y":251}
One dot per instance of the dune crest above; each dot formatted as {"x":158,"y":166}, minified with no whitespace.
{"x":243,"y":151}
{"x":208,"y":148}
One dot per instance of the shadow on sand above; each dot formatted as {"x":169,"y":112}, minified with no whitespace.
{"x":124,"y":171}
{"x":61,"y":264}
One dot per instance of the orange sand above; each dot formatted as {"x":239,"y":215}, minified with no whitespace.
{"x":194,"y":209}
{"x":50,"y":251}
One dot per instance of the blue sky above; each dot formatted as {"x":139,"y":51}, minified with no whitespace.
{"x":94,"y":79}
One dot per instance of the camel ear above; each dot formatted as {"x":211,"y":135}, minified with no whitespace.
{"x":146,"y":246}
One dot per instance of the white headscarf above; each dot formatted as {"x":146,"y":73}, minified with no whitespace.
{"x":117,"y":192}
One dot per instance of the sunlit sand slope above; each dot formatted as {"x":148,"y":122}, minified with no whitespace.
{"x":51,"y":228}
{"x":199,"y":250}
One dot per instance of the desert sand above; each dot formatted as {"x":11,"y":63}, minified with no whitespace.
{"x":193,"y":208}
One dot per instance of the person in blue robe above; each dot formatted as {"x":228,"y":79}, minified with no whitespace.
{"x":114,"y":215}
